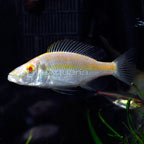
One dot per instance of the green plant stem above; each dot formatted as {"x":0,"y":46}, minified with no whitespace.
{"x":93,"y":133}
{"x":29,"y":139}
{"x":129,"y":118}
{"x":109,"y":127}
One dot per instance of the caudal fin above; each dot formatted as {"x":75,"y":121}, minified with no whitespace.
{"x":126,"y":66}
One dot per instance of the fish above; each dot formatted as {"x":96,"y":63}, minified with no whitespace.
{"x":123,"y":102}
{"x":69,"y":64}
{"x":121,"y":99}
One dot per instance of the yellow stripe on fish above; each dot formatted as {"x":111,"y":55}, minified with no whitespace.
{"x":90,"y":67}
{"x":87,"y":62}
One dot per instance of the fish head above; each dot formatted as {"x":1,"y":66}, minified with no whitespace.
{"x":25,"y":74}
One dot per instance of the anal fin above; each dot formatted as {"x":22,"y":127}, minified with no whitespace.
{"x":96,"y":85}
{"x":66,"y":91}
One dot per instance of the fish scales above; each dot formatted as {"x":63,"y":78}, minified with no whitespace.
{"x":74,"y":69}
{"x":76,"y":61}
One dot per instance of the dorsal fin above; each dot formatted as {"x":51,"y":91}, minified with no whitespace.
{"x":67,"y":45}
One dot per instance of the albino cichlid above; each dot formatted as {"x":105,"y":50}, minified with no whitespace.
{"x":67,"y":65}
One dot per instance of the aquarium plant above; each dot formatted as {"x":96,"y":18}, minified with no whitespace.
{"x":135,"y":136}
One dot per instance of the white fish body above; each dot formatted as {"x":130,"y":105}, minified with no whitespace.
{"x":63,"y":67}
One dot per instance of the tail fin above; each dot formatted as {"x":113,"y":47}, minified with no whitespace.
{"x":126,"y":66}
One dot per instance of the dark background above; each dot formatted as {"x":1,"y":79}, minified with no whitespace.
{"x":27,"y":28}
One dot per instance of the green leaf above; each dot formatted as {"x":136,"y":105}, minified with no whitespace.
{"x":109,"y":127}
{"x":129,"y":119}
{"x":112,"y":135}
{"x":29,"y":139}
{"x":93,"y":133}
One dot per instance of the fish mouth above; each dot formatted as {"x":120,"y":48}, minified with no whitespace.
{"x":12,"y":78}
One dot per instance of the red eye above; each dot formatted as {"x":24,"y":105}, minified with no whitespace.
{"x":30,"y":68}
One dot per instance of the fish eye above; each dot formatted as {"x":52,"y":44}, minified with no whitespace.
{"x":30,"y":68}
